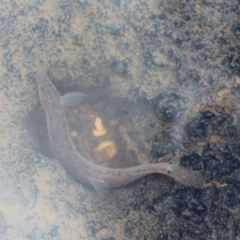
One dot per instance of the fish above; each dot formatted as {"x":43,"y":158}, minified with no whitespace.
{"x":100,"y":177}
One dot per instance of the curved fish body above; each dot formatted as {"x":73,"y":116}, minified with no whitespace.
{"x":98,"y":176}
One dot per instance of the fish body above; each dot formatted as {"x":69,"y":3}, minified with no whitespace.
{"x":83,"y":170}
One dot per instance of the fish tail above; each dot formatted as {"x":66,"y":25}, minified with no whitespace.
{"x":186,"y":176}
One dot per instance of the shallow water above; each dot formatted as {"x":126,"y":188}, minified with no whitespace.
{"x":163,"y":76}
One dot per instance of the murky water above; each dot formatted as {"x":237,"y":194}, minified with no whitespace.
{"x":162,"y":80}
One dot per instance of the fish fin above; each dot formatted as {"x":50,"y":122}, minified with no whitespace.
{"x":99,"y":185}
{"x":72,"y":99}
{"x":186,"y":176}
{"x":105,"y":164}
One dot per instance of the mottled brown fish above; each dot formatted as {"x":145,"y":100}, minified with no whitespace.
{"x":101,"y":178}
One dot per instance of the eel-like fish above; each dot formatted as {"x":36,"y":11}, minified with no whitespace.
{"x":101,"y":178}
